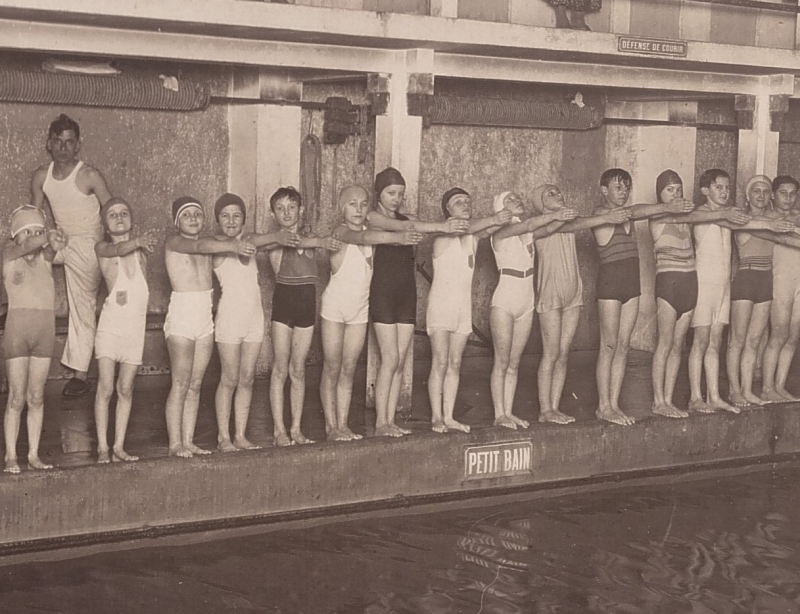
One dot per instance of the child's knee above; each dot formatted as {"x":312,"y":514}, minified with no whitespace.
{"x":454,"y":364}
{"x":124,"y":389}
{"x":246,"y":378}
{"x":35,"y":399}
{"x":297,"y":372}
{"x":229,"y":380}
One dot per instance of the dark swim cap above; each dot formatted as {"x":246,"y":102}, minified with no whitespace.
{"x":229,"y":199}
{"x":388,"y":176}
{"x":666,"y":178}
{"x":184,"y":202}
{"x":448,"y":195}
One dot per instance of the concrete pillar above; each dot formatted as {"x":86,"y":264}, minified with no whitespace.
{"x":758,"y":142}
{"x":398,"y":138}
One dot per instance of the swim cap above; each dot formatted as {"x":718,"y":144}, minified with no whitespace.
{"x":538,"y":196}
{"x":24,"y":217}
{"x":753,"y":181}
{"x":184,"y":202}
{"x":448,"y":195}
{"x":388,"y":176}
{"x":229,"y":199}
{"x":668,"y":177}
{"x":113,"y":201}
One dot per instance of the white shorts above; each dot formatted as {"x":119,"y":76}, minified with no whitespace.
{"x":189,"y":315}
{"x":236,"y":324}
{"x":713,"y":305}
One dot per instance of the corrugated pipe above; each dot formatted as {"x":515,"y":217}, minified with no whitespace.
{"x":88,"y":90}
{"x":511,"y":113}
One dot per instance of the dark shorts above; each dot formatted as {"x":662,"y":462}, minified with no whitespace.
{"x":679,"y":289}
{"x":295,"y":306}
{"x":751,"y":285}
{"x":619,"y":281}
{"x":393,"y":299}
{"x":29,"y":332}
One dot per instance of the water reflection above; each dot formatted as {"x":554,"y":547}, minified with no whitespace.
{"x":724,"y":546}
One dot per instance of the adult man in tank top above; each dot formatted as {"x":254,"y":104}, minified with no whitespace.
{"x":75,"y":192}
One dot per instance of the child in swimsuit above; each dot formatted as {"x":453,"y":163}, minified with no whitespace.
{"x":30,"y":327}
{"x":449,"y":313}
{"x":559,"y":299}
{"x":121,"y":329}
{"x":239,"y":327}
{"x":618,"y":287}
{"x":785,"y":311}
{"x":511,"y":309}
{"x":189,"y":326}
{"x":294,"y":312}
{"x":713,"y":249}
{"x":676,"y":286}
{"x":393,"y":293}
{"x":345,"y":306}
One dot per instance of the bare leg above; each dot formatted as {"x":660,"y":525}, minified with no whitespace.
{"x":17,"y":374}
{"x":181,"y":358}
{"x":440,"y":348}
{"x":301,"y":344}
{"x":502,"y":327}
{"x":229,"y":358}
{"x":779,"y":322}
{"x":740,"y":322}
{"x":562,"y":19}
{"x":702,"y":336}
{"x":105,"y":388}
{"x":332,"y":348}
{"x":405,"y":333}
{"x":281,"y":354}
{"x":522,"y":331}
{"x":711,"y":363}
{"x":787,"y":354}
{"x":610,"y":316}
{"x":569,"y":324}
{"x":667,"y":317}
{"x":352,"y":344}
{"x":451,"y":381}
{"x":551,"y":324}
{"x":674,"y":363}
{"x":37,"y":378}
{"x":627,"y":320}
{"x":202,"y":354}
{"x":127,"y":375}
{"x":244,"y":394}
{"x":755,"y":331}
{"x":393,"y":342}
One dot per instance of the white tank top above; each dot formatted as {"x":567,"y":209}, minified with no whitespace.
{"x":76,"y":213}
{"x":453,"y":269}
{"x":127,"y":300}
{"x":354,"y":275}
{"x":517,"y":253}
{"x":713,"y":255}
{"x":239,"y":282}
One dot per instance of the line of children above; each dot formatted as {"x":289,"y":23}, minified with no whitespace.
{"x":692,"y":287}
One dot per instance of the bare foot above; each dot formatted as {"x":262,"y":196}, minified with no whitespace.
{"x":788,"y":395}
{"x":664,"y":409}
{"x":350,"y":434}
{"x":35,"y":463}
{"x":700,"y":406}
{"x":506,"y":422}
{"x":243,"y":443}
{"x":437,"y":426}
{"x":720,"y":404}
{"x":556,"y":417}
{"x":772,"y":396}
{"x":753,"y":399}
{"x":614,"y":416}
{"x":338,"y":435}
{"x":401,"y":430}
{"x":103,"y":457}
{"x":519,"y":421}
{"x":387,"y":430}
{"x":121,"y":455}
{"x":738,"y":400}
{"x":456,"y":426}
{"x":226,"y":446}
{"x":298,"y":437}
{"x":282,"y":440}
{"x":195,"y":449}
{"x":179,"y":451}
{"x":12,"y":466}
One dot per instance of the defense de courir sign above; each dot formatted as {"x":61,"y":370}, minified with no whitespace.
{"x":497,"y":460}
{"x":652,"y":46}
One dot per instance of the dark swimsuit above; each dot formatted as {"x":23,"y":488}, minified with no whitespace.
{"x":393,"y":290}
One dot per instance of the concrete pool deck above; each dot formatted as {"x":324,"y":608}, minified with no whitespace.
{"x":80,"y":502}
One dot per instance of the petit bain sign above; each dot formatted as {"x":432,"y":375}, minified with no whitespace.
{"x":497,"y":460}
{"x":652,"y":46}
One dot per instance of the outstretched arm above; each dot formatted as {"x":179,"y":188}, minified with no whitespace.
{"x":271,"y":240}
{"x":735,"y":217}
{"x":330,"y":244}
{"x":147,"y":242}
{"x":642,"y":211}
{"x":790,"y":239}
{"x":483,"y":227}
{"x":611,"y":217}
{"x":209,"y":245}
{"x":377,"y":237}
{"x":533,"y":224}
{"x":451,"y":226}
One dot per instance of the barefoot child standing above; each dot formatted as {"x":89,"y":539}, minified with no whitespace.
{"x":345,"y":306}
{"x":294,"y":312}
{"x":121,"y":329}
{"x":449,"y":314}
{"x":189,"y":326}
{"x":30,"y":327}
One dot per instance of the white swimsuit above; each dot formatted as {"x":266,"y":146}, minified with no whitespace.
{"x":346,"y":299}
{"x":514,"y":292}
{"x":713,"y":258}
{"x":450,"y":298}
{"x":240,"y":314}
